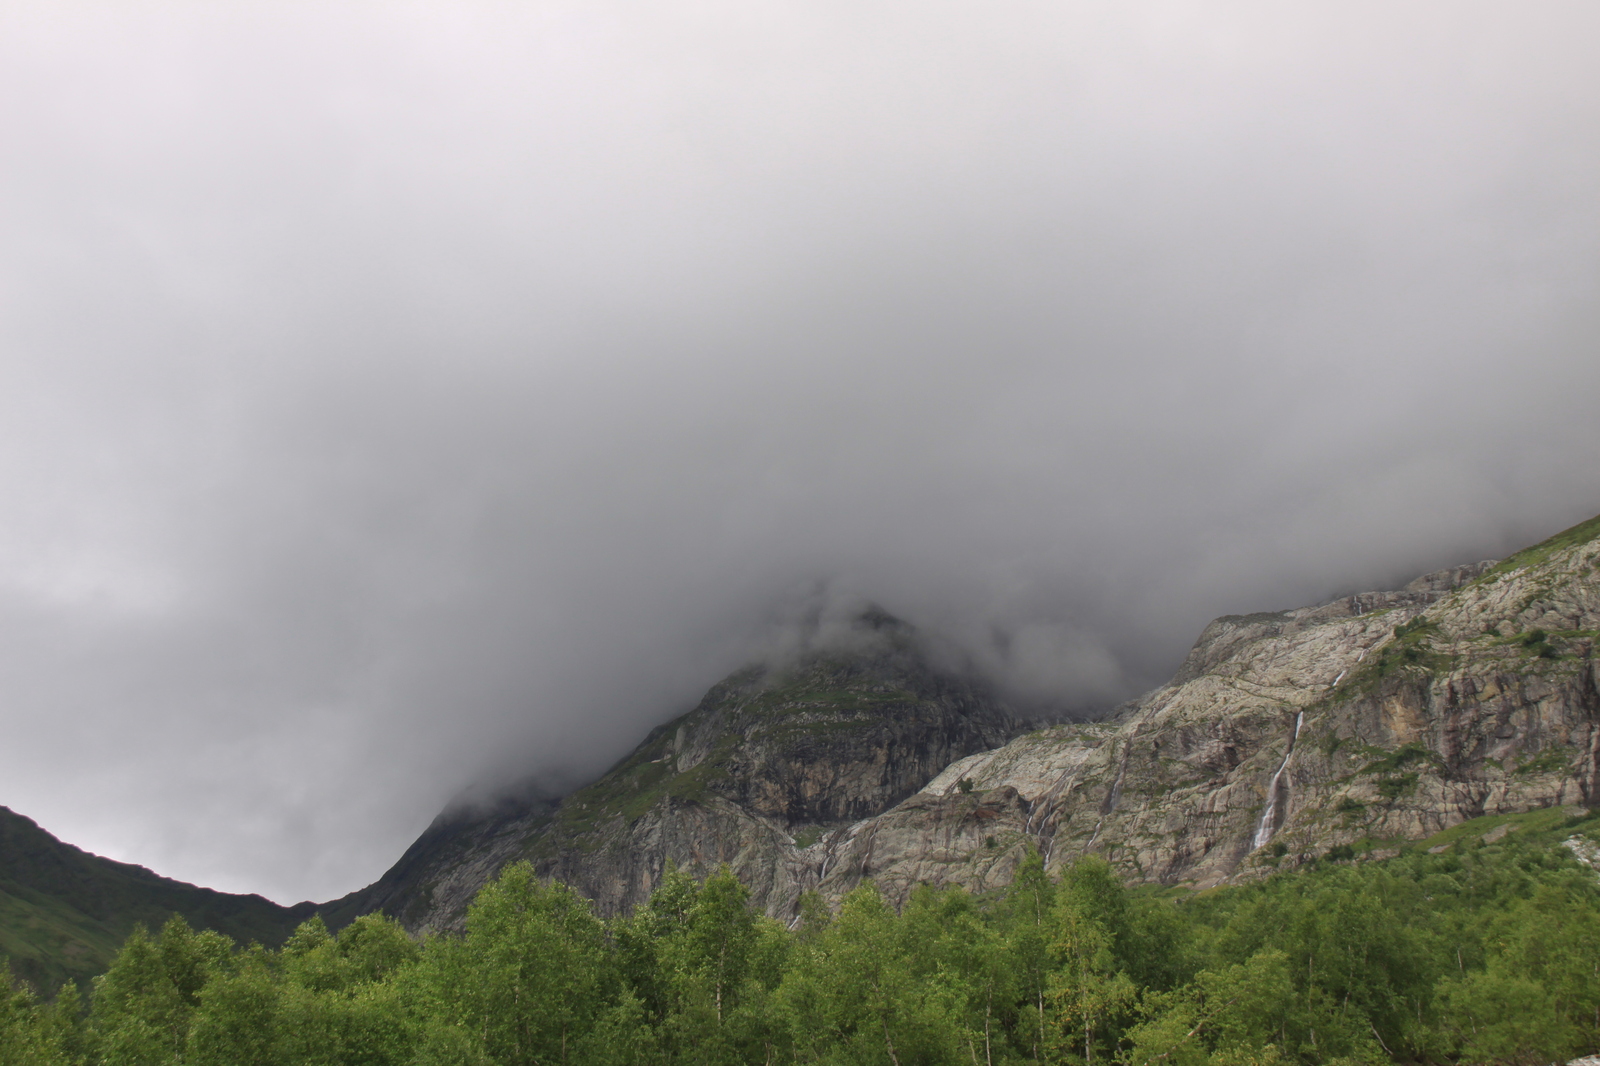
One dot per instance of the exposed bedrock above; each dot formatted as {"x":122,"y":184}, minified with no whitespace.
{"x":1365,"y":721}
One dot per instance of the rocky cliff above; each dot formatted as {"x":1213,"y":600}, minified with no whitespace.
{"x":1345,"y":728}
{"x":1348,"y":728}
{"x":773,"y":760}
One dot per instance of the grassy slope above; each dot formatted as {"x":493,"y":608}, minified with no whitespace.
{"x":1581,"y":533}
{"x":64,"y":912}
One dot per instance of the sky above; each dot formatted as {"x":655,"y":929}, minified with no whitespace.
{"x":397,"y":397}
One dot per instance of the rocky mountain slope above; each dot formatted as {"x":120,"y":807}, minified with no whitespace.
{"x":772,"y":761}
{"x":1344,"y":728}
{"x":64,"y":912}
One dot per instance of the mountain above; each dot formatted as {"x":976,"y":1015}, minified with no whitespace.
{"x":64,"y":912}
{"x":773,"y":760}
{"x":1344,"y":729}
{"x":1341,"y":731}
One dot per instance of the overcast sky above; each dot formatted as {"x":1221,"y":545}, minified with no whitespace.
{"x":396,"y":396}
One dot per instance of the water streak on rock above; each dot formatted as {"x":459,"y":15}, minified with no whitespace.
{"x":1265,"y":828}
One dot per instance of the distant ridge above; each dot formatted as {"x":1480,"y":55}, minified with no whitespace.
{"x":64,"y":912}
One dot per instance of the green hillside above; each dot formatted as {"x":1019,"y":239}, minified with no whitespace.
{"x":64,"y":912}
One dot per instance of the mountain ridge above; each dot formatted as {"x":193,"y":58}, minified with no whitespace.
{"x":1185,"y":785}
{"x":772,"y":755}
{"x":64,"y":911}
{"x":1345,"y":729}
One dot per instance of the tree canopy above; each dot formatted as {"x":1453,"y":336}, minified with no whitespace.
{"x":1484,"y":952}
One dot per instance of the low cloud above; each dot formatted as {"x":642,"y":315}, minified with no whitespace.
{"x":402,"y":397}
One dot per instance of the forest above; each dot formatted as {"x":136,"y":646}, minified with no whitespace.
{"x":1483,"y":949}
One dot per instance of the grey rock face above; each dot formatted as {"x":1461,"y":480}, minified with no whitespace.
{"x":1367,"y":721}
{"x":772,"y":760}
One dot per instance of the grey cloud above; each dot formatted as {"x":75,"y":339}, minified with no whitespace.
{"x":397,"y":397}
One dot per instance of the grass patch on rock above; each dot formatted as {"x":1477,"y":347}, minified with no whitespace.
{"x":1581,"y":533}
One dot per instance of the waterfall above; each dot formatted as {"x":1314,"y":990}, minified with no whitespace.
{"x":1264,"y":829}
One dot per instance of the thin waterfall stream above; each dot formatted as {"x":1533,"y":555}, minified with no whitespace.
{"x":1264,"y":829}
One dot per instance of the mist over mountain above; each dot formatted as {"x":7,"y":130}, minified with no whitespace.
{"x":1350,"y":730}
{"x":399,"y":399}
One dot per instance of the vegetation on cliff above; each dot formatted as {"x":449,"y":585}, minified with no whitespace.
{"x":1479,"y":948}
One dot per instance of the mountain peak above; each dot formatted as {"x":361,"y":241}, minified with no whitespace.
{"x":774,"y":755}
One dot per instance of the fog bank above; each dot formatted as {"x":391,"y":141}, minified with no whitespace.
{"x":396,"y":397}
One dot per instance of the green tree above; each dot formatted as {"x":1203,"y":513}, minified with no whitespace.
{"x":312,"y":961}
{"x":858,"y":994}
{"x":967,"y":961}
{"x":31,"y":1033}
{"x":140,"y":1014}
{"x":1538,"y":996}
{"x":531,"y":976}
{"x":366,"y":1025}
{"x":237,"y":1020}
{"x":1361,"y":959}
{"x":1088,"y":995}
{"x":342,"y":1001}
{"x":1504,"y":1017}
{"x":374,"y":948}
{"x":640,"y":940}
{"x":1025,"y":916}
{"x":701,"y":964}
